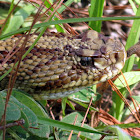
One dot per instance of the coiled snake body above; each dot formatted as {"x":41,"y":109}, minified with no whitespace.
{"x":60,"y":65}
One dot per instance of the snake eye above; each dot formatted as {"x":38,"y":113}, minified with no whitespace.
{"x":86,"y":61}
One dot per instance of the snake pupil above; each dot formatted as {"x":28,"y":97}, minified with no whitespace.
{"x":87,"y":61}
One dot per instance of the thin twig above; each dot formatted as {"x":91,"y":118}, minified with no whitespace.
{"x":85,"y":116}
{"x":16,"y":123}
{"x":73,"y":124}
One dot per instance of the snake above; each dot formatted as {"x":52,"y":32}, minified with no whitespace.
{"x":61,"y":64}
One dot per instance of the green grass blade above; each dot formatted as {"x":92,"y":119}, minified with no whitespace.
{"x":120,"y":133}
{"x":96,"y":10}
{"x":60,"y":10}
{"x":8,"y":20}
{"x":132,"y":39}
{"x":133,"y":6}
{"x":118,"y":104}
{"x":67,"y":126}
{"x":72,"y":20}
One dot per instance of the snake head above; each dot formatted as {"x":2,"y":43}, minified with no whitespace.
{"x":100,"y":54}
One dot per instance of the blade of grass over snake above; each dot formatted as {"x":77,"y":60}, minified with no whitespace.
{"x":72,"y":20}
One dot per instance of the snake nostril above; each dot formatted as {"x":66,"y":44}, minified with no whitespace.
{"x":116,"y":56}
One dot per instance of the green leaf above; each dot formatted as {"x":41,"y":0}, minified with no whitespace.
{"x":12,"y":134}
{"x":84,"y":135}
{"x":120,"y":133}
{"x":8,"y":18}
{"x":18,"y":18}
{"x":67,"y":126}
{"x":13,"y":112}
{"x":71,"y":105}
{"x":137,"y":98}
{"x":3,"y":13}
{"x":84,"y":105}
{"x":31,"y":117}
{"x":131,"y":78}
{"x":25,"y":126}
{"x":70,"y":118}
{"x":1,"y":136}
{"x":84,"y":95}
{"x":42,"y":130}
{"x":29,"y":102}
{"x":88,"y":135}
{"x":118,"y":104}
{"x":2,"y":105}
{"x":63,"y":104}
{"x":64,"y":135}
{"x":25,"y":104}
{"x":22,"y":3}
{"x":137,"y":62}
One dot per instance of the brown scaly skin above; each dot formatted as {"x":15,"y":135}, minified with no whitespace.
{"x":60,"y":65}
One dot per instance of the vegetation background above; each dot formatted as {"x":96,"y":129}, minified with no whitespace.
{"x":105,"y":111}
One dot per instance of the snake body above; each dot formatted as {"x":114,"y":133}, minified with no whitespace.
{"x":60,"y":65}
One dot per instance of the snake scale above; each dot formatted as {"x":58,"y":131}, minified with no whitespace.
{"x":60,"y":64}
